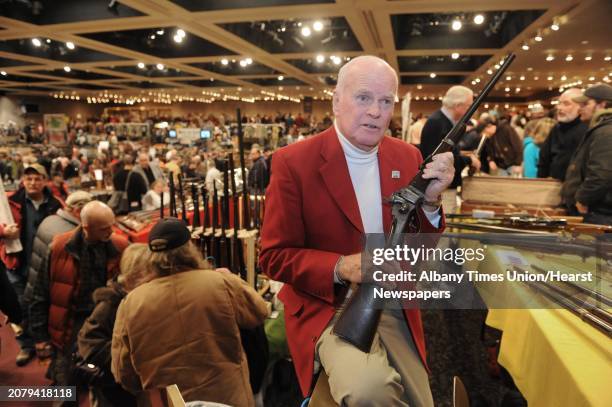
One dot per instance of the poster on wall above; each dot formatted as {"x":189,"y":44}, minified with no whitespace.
{"x":56,"y":126}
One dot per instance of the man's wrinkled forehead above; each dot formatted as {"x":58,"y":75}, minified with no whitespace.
{"x":368,"y":72}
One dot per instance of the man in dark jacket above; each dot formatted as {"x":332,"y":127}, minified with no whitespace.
{"x":557,"y":150}
{"x":32,"y":203}
{"x":258,"y":176}
{"x":588,"y":182}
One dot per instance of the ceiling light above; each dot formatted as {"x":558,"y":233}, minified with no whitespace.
{"x":525,"y":47}
{"x":141,"y":65}
{"x":550,"y":58}
{"x":180,"y":33}
{"x":243,"y":63}
{"x":564,"y":78}
{"x":517,"y":90}
{"x":569,"y":58}
{"x":554,"y":27}
{"x":3,"y":73}
{"x":317,"y":25}
{"x":478,"y":19}
{"x":160,"y":31}
{"x":337,"y":61}
{"x":550,"y":78}
{"x":320,"y":58}
{"x":152,"y":36}
{"x":522,"y":77}
{"x":160,"y":67}
{"x":473,"y":82}
{"x":67,"y":68}
{"x":249,"y":61}
{"x":36,"y":42}
{"x":455,"y":55}
{"x":535,"y":78}
{"x":178,"y":38}
{"x":489,"y":71}
{"x":538,"y":38}
{"x":456,"y":25}
{"x":506,"y":89}
{"x":48,"y":41}
{"x":419,"y":87}
{"x":477,"y":80}
{"x":224,"y":61}
{"x":508,"y":78}
{"x":607,"y":58}
{"x":70,"y":45}
{"x":306,"y":31}
{"x":591,"y":78}
{"x":432,"y":75}
{"x":281,"y":77}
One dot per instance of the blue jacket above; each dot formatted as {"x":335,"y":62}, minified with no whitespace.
{"x":531,"y":154}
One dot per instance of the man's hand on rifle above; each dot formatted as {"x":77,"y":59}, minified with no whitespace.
{"x":475,"y":162}
{"x":441,"y":170}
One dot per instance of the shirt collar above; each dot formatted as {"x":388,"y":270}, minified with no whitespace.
{"x":350,"y":150}
{"x":448,"y":115}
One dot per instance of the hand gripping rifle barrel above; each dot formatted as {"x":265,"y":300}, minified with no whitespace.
{"x":358,"y":321}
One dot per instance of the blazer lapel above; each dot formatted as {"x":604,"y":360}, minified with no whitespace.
{"x":337,"y":179}
{"x":387,"y":164}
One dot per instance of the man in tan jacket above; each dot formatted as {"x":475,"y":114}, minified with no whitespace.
{"x":183,"y":327}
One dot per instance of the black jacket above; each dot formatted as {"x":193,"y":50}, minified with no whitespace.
{"x":9,"y":304}
{"x":589,"y":177}
{"x":557,"y":150}
{"x":435,"y":129}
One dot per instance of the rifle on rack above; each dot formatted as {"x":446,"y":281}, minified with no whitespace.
{"x":358,"y":321}
{"x":205,"y":237}
{"x":182,"y":198}
{"x":238,"y":265}
{"x":226,"y":249}
{"x":161,"y":207}
{"x":173,"y":211}
{"x":246,"y":206}
{"x":215,"y":249}
{"x":196,"y":206}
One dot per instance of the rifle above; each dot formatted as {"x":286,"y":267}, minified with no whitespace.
{"x":358,"y":321}
{"x":483,"y":138}
{"x":205,"y":236}
{"x":226,"y":249}
{"x":182,"y":198}
{"x":196,"y":206}
{"x":161,"y":208}
{"x":246,"y":221}
{"x":216,"y":251}
{"x":238,"y":265}
{"x":173,"y":211}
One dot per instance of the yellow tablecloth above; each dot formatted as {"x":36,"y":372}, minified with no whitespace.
{"x":555,"y":358}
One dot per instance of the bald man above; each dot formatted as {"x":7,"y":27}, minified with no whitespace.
{"x":325,"y":194}
{"x":563,"y":140}
{"x":79,"y":261}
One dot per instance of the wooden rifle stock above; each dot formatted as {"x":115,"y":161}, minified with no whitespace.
{"x":358,"y":321}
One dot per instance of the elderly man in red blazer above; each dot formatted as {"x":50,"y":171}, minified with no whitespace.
{"x":325,"y":193}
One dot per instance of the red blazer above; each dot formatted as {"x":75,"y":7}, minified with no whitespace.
{"x":311,"y":219}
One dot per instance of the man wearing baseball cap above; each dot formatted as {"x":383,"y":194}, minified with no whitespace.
{"x":588,"y":182}
{"x":32,"y":203}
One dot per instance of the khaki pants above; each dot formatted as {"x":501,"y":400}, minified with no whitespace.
{"x":392,"y":374}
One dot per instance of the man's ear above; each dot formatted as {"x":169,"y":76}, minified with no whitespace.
{"x":335,"y":102}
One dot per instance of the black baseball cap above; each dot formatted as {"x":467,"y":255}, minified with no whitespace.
{"x":168,"y":234}
{"x":601,"y":91}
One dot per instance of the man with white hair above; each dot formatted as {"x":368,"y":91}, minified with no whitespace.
{"x":556,"y":152}
{"x":454,"y":105}
{"x":325,"y":194}
{"x":79,"y":261}
{"x":140,"y":179}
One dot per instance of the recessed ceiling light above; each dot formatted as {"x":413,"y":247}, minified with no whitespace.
{"x":591,"y":78}
{"x":522,"y":77}
{"x":564,"y":78}
{"x":224,"y":61}
{"x":152,"y":36}
{"x":67,"y":68}
{"x":550,"y":78}
{"x":508,"y":78}
{"x":535,"y":78}
{"x":478,"y":19}
{"x":160,"y":31}
{"x":3,"y":73}
{"x":506,"y":89}
{"x":550,"y":58}
{"x":569,"y":58}
{"x":477,"y":80}
{"x":249,"y":61}
{"x":160,"y":67}
{"x":419,"y":87}
{"x":36,"y":42}
{"x":607,"y":58}
{"x":48,"y":41}
{"x":317,"y":25}
{"x":306,"y":31}
{"x":588,"y":58}
{"x":141,"y":65}
{"x":432,"y":75}
{"x":243,"y":63}
{"x":490,"y":72}
{"x":70,"y":45}
{"x":455,"y":55}
{"x":554,"y":27}
{"x":525,"y":47}
{"x":320,"y":58}
{"x":281,"y":77}
{"x":456,"y":25}
{"x":180,"y":33}
{"x":538,"y":38}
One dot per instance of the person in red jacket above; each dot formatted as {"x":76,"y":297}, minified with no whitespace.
{"x":79,"y":262}
{"x":325,"y":193}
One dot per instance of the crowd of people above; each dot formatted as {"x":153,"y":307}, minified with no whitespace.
{"x":70,"y":274}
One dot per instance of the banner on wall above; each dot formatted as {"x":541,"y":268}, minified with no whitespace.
{"x":56,"y":126}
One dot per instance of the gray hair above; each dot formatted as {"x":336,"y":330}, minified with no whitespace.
{"x":456,"y":95}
